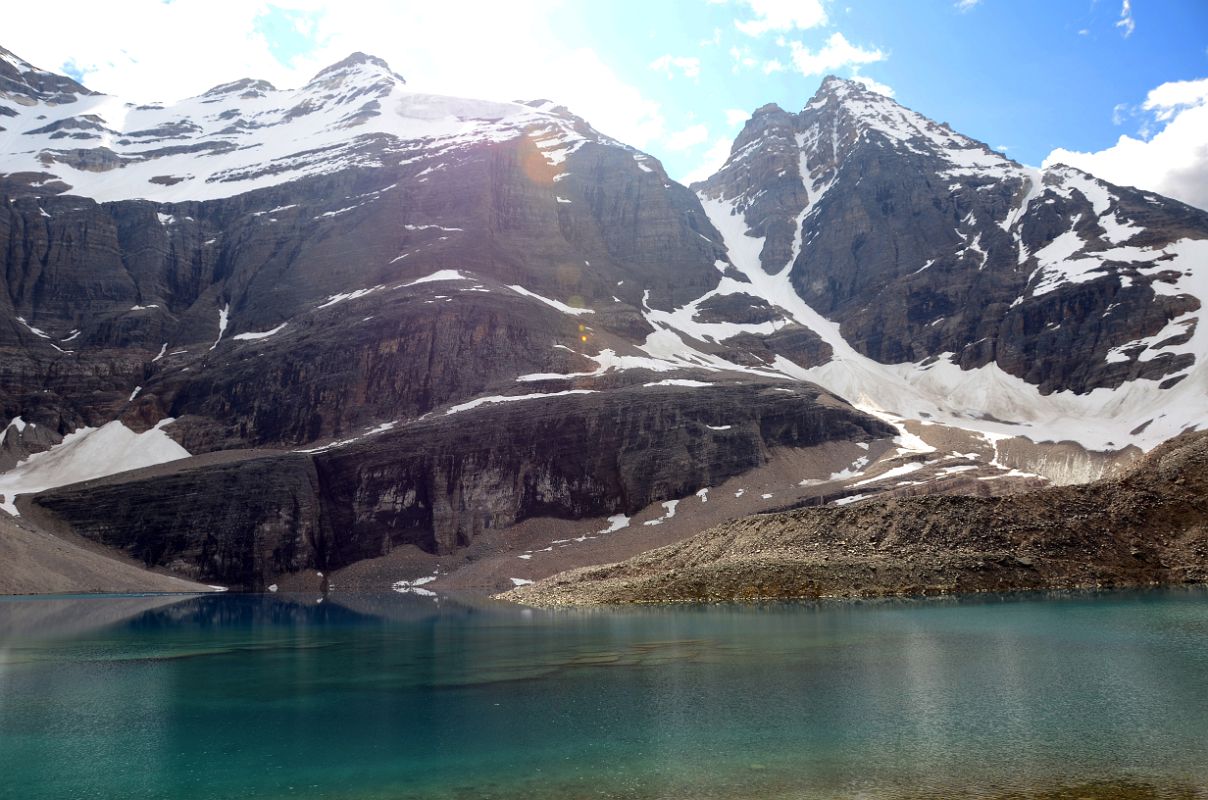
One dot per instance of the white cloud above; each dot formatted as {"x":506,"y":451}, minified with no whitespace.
{"x":782,"y":15}
{"x":836,"y":54}
{"x":151,"y":51}
{"x":743,"y":58}
{"x":966,"y":5}
{"x":688,"y":66}
{"x":1173,"y":162}
{"x":154,"y":50}
{"x":710,"y":162}
{"x":1126,"y":23}
{"x":713,"y":40}
{"x":736,"y":116}
{"x":1175,"y":96}
{"x":873,"y":85}
{"x":772,"y":66}
{"x":687,"y":138}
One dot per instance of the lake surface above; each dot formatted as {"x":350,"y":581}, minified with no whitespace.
{"x":228,"y":696}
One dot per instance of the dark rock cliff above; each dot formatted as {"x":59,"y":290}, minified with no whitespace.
{"x":439,"y":482}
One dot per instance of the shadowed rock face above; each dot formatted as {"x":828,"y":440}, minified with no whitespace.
{"x":1148,"y":527}
{"x":439,"y":482}
{"x":114,"y":284}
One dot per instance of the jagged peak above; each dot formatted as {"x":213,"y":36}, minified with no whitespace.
{"x":767,"y":122}
{"x":1061,"y":170}
{"x":353,"y":63}
{"x":834,"y":89}
{"x":868,"y":110}
{"x":14,"y":60}
{"x":843,"y":116}
{"x":833,"y":82}
{"x":23,"y":67}
{"x":241,"y":85}
{"x":21,"y":77}
{"x":842,"y":88}
{"x":554,"y":109}
{"x":767,"y":108}
{"x":549,"y":107}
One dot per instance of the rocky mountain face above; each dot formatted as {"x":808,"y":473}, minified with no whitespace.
{"x":103,"y":298}
{"x":380,"y":317}
{"x":929,"y":249}
{"x":921,"y":242}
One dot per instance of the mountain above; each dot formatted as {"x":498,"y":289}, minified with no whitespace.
{"x":262,"y":331}
{"x":954,"y":284}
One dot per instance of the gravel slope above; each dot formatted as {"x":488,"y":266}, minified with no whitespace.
{"x":36,"y":562}
{"x":1147,"y":527}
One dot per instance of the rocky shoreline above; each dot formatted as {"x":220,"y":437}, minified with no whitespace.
{"x":1147,"y":527}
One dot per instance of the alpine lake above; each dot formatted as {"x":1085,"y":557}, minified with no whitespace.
{"x":1076,"y":695}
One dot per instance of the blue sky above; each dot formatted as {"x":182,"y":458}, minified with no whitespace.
{"x":1032,"y":76}
{"x":676,"y":77}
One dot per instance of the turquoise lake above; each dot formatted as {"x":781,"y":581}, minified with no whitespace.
{"x":228,"y":696}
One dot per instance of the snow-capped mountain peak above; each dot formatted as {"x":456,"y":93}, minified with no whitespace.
{"x":355,"y":67}
{"x":247,"y":134}
{"x":246,"y":88}
{"x":869,"y":116}
{"x":900,"y":242}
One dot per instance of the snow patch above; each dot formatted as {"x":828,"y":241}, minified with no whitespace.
{"x":896,"y":472}
{"x":563,"y":307}
{"x":353,"y":295}
{"x":680,"y":382}
{"x":615,"y":523}
{"x":431,"y":228}
{"x":32,"y":329}
{"x":437,"y":277}
{"x":669,"y":512}
{"x":475,"y":403}
{"x":224,"y":317}
{"x":252,"y":336}
{"x":89,"y":453}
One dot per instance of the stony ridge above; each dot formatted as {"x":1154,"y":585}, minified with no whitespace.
{"x":1147,"y":527}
